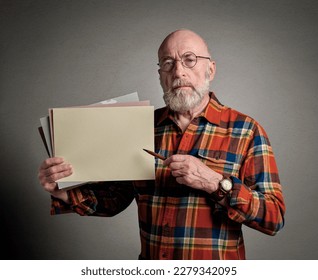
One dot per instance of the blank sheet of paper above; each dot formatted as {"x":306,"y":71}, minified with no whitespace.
{"x":105,"y":144}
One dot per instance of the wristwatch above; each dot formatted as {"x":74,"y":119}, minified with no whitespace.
{"x":225,"y":186}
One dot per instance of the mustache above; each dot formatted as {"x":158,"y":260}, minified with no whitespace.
{"x":180,"y":83}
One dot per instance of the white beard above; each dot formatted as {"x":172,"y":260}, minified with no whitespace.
{"x":183,"y":100}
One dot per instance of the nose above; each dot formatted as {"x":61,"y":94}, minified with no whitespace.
{"x":178,"y":69}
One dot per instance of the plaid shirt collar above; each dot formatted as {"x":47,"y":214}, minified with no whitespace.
{"x":212,"y":112}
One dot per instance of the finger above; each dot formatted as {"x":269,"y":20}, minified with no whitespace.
{"x":56,"y":169}
{"x":51,"y":170}
{"x":175,"y":158}
{"x":185,"y":180}
{"x":180,"y":180}
{"x":58,"y":172}
{"x":51,"y":162}
{"x":49,"y":187}
{"x":177,"y":173}
{"x":176,"y":165}
{"x":181,"y":173}
{"x":52,"y":174}
{"x":57,"y":176}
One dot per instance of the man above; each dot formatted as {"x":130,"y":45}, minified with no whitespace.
{"x":220,"y":170}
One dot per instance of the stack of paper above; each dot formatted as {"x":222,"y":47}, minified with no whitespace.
{"x":102,"y":141}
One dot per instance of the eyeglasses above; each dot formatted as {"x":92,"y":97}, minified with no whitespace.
{"x":188,"y":60}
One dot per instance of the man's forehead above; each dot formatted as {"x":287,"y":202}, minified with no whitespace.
{"x":180,"y":42}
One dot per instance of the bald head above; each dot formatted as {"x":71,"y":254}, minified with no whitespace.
{"x":183,"y":40}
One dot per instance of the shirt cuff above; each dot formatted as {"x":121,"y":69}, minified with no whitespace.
{"x":58,"y":206}
{"x":239,"y":201}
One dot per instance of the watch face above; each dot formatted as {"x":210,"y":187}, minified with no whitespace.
{"x":226,"y":185}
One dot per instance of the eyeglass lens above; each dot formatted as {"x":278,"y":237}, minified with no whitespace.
{"x":188,"y":60}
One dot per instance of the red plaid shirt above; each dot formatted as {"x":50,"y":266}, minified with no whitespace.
{"x":179,"y":222}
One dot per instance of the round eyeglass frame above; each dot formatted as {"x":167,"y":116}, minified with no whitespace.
{"x":184,"y":56}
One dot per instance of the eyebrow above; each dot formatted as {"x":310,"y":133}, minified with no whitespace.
{"x":166,"y":57}
{"x":169,"y":56}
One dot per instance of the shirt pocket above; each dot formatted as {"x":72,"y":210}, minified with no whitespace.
{"x":219,"y":161}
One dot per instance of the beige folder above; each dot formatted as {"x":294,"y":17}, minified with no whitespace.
{"x":105,"y":143}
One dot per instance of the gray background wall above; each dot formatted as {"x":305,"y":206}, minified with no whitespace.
{"x":63,"y":53}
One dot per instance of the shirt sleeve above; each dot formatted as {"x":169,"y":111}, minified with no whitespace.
{"x":256,"y":199}
{"x":96,"y":199}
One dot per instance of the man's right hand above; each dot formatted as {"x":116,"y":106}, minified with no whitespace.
{"x":51,"y":170}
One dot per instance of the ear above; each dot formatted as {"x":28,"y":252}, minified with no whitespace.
{"x":212,"y":70}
